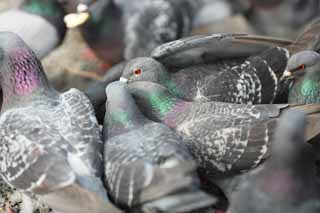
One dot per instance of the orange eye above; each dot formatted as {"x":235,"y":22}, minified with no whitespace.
{"x":137,"y":71}
{"x":302,"y":66}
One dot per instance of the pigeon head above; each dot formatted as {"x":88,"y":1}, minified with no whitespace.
{"x":122,"y":114}
{"x":145,"y":69}
{"x":304,"y":62}
{"x":305,"y":72}
{"x":21,"y":73}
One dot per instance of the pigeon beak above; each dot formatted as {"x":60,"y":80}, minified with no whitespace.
{"x":286,"y":74}
{"x":77,"y":19}
{"x":124,"y":80}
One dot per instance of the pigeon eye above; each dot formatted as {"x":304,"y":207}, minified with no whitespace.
{"x":302,"y":67}
{"x":137,"y":71}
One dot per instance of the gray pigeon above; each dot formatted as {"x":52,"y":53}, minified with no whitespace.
{"x":204,"y":56}
{"x":146,"y":163}
{"x":302,"y":58}
{"x":225,"y":139}
{"x":304,"y":69}
{"x":287,"y":181}
{"x":121,"y":29}
{"x":50,"y":142}
{"x":252,"y":81}
{"x":217,"y":68}
{"x":281,"y":17}
{"x":38,"y":22}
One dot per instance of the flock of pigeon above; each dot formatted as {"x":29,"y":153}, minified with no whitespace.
{"x":181,"y":123}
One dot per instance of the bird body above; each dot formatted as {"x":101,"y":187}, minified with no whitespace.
{"x":50,"y":142}
{"x":145,"y":161}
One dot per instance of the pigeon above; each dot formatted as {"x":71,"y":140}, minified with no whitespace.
{"x":190,"y":68}
{"x":252,"y":81}
{"x":38,"y":22}
{"x":225,"y":139}
{"x":121,"y":29}
{"x":96,"y":93}
{"x":146,"y":164}
{"x":208,"y":52}
{"x":51,"y":145}
{"x":281,"y":17}
{"x":287,"y":181}
{"x":303,"y":57}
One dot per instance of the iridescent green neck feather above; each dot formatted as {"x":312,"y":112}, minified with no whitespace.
{"x":306,"y":90}
{"x":169,"y":82}
{"x":45,"y":8}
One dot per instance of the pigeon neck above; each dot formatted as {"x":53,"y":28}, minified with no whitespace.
{"x":163,"y":106}
{"x":309,"y":86}
{"x":169,"y":81}
{"x":122,"y":114}
{"x":44,"y":8}
{"x":23,"y":79}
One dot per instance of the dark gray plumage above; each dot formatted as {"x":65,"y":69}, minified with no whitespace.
{"x":50,"y":142}
{"x":46,"y":19}
{"x":203,"y":56}
{"x":225,"y":139}
{"x":146,"y":163}
{"x":250,"y":81}
{"x":281,"y":17}
{"x":287,"y":182}
{"x":121,"y":29}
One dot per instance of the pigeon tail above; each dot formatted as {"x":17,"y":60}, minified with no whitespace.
{"x":167,"y":187}
{"x":173,"y":189}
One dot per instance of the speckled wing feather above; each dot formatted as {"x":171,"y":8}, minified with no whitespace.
{"x":234,"y":137}
{"x":230,"y":146}
{"x":33,"y":154}
{"x":199,"y":49}
{"x":84,"y":130}
{"x":252,"y":81}
{"x":130,"y":173}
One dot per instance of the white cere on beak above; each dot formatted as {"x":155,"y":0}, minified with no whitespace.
{"x":286,"y":74}
{"x":81,"y":8}
{"x":124,"y":80}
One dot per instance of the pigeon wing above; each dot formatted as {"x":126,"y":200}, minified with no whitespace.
{"x":200,"y":49}
{"x":33,"y":154}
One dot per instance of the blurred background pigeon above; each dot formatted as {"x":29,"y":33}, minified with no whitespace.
{"x":287,"y":181}
{"x":118,"y":29}
{"x":33,"y":19}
